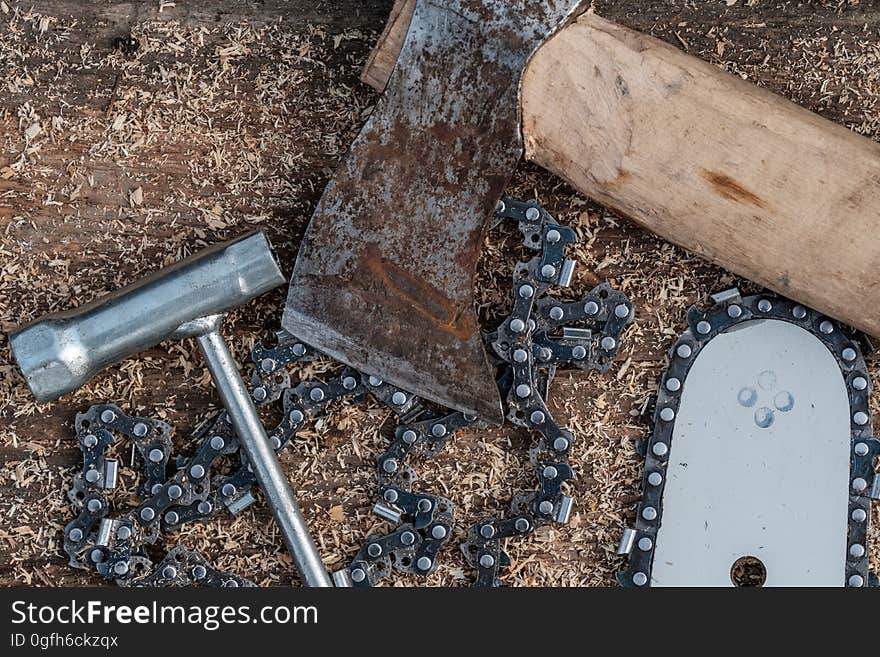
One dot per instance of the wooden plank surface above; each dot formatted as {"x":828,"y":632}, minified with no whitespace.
{"x":230,"y":115}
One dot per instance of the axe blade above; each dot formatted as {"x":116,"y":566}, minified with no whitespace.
{"x":384,"y":278}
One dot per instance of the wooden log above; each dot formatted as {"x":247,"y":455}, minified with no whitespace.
{"x":729,"y":171}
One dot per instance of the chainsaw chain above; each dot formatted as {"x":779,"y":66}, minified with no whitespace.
{"x":116,"y":547}
{"x":730,"y":310}
{"x":540,"y":334}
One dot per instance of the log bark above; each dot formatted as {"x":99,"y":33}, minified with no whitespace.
{"x":729,"y":171}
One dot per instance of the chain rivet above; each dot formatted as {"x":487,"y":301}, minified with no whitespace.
{"x":560,"y":444}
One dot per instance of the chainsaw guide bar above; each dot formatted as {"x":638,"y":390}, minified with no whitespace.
{"x":760,"y":468}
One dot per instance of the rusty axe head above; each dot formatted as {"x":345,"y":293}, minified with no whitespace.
{"x":385,"y":273}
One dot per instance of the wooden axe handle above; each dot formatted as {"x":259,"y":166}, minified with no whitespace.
{"x":712,"y":163}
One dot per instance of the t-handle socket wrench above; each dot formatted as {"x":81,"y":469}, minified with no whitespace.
{"x":62,"y":351}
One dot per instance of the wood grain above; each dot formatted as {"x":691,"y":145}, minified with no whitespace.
{"x":736,"y":174}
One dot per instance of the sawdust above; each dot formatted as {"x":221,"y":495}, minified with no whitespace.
{"x":117,"y":160}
